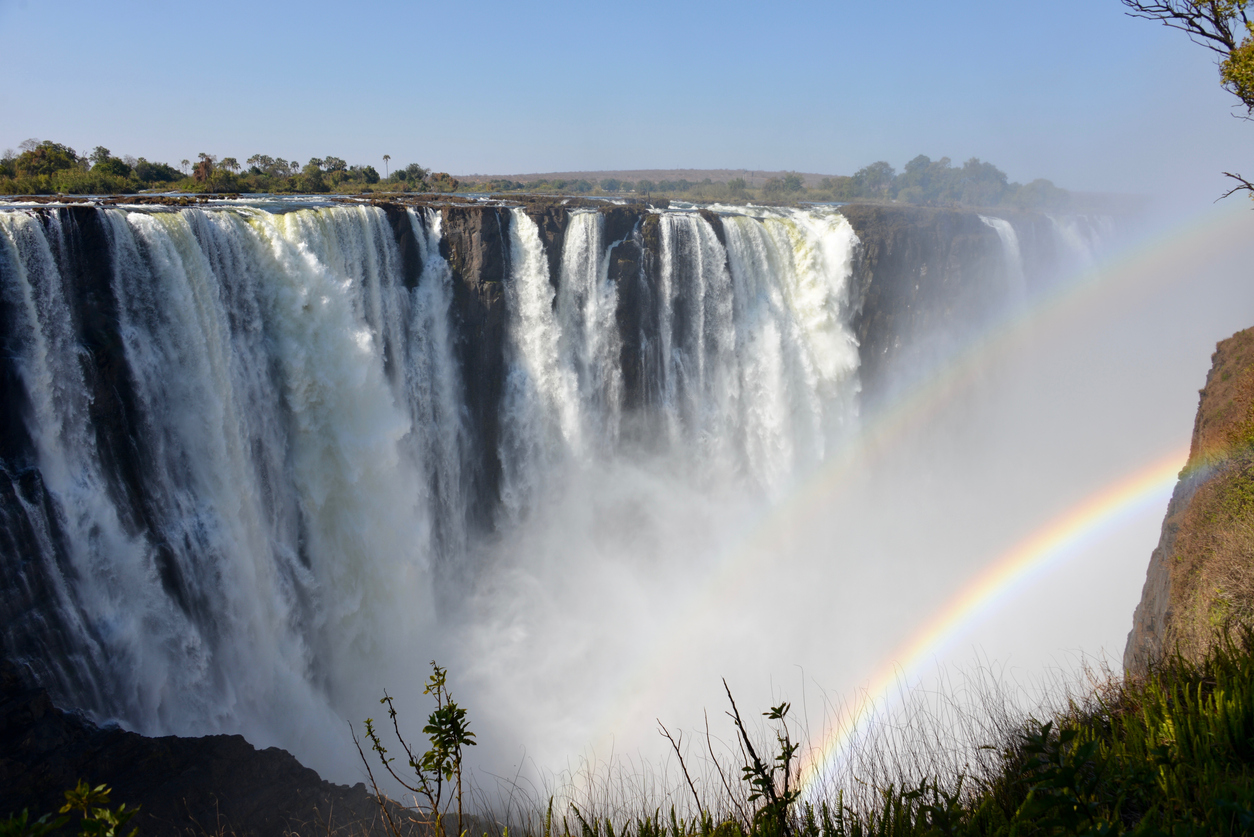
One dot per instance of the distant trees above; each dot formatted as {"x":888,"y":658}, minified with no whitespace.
{"x":311,"y":176}
{"x":105,"y":163}
{"x":204,"y":167}
{"x":44,"y":158}
{"x":778,"y":187}
{"x":45,"y":167}
{"x":443,"y":182}
{"x":927,"y":182}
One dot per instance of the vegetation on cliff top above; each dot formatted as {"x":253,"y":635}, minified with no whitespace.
{"x":923,"y":182}
{"x":45,"y":168}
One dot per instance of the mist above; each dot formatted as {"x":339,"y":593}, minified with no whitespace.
{"x":744,"y":501}
{"x":635,"y":586}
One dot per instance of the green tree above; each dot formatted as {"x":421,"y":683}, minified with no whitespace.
{"x":103,"y":162}
{"x":444,"y":182}
{"x":416,"y":172}
{"x":875,"y":181}
{"x":44,"y":158}
{"x":311,"y":176}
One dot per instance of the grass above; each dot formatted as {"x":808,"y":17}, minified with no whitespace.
{"x":1171,"y":753}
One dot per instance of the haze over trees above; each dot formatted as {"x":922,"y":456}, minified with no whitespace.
{"x":927,"y":182}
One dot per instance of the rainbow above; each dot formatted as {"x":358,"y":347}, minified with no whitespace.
{"x":1044,"y":549}
{"x":1152,"y":263}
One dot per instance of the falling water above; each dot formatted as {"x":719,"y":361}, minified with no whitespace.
{"x":246,"y":500}
{"x":1015,"y":275}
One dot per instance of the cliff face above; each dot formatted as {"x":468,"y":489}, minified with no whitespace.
{"x":1201,"y":575}
{"x":920,"y":269}
{"x":216,"y":784}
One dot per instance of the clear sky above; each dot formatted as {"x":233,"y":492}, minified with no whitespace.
{"x":1071,"y":90}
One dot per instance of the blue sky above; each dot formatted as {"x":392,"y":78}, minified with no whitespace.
{"x":1071,"y":90}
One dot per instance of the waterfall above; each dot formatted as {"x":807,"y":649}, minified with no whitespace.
{"x":1017,"y":284}
{"x":239,"y":487}
{"x":241,"y":564}
{"x":1081,"y":236}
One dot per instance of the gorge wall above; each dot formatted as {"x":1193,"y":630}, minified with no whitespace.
{"x":1200,"y":575}
{"x":251,"y":454}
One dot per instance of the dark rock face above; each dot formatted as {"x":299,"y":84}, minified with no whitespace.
{"x":476,"y":244}
{"x":634,"y":270}
{"x":919,"y":271}
{"x":552,"y":220}
{"x":182,"y":785}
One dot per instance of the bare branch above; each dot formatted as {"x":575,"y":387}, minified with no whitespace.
{"x":1206,"y":21}
{"x":1243,"y":185}
{"x":744,"y":816}
{"x":379,"y":797}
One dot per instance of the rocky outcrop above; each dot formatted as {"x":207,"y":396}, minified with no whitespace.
{"x":1201,"y":575}
{"x":219,"y":784}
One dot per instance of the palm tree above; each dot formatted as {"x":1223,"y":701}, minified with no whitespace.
{"x":386,"y":157}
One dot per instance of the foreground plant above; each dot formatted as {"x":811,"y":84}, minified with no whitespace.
{"x":434,"y":771}
{"x":96,"y":818}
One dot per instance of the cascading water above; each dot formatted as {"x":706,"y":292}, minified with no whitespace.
{"x":1015,"y":274}
{"x":238,"y":473}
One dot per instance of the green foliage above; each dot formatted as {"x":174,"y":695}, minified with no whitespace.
{"x":1167,"y":756}
{"x":448,"y":733}
{"x":444,"y":182}
{"x":91,"y":804}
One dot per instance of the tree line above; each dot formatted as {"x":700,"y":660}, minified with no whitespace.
{"x":927,"y":182}
{"x":923,"y":182}
{"x":46,"y":168}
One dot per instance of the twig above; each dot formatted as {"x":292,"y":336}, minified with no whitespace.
{"x":1244,"y":186}
{"x":723,"y":776}
{"x":682,"y":765}
{"x":378,"y":797}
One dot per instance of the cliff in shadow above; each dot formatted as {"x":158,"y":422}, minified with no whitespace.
{"x":921,"y":273}
{"x":218,"y":784}
{"x":1201,"y":574}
